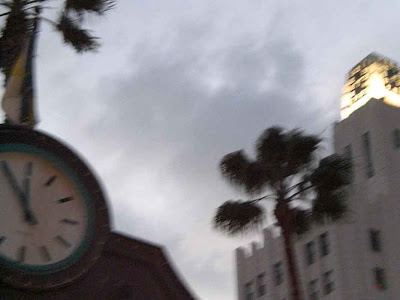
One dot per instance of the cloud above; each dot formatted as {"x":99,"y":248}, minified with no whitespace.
{"x":167,"y":123}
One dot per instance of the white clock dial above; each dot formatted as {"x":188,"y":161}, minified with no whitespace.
{"x":43,"y":215}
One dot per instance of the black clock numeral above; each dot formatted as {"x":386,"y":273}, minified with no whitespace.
{"x":45,"y":253}
{"x":29,"y":168}
{"x":51,"y":180}
{"x":21,"y":254}
{"x":69,"y":222}
{"x":2,"y":239}
{"x":66,"y":199}
{"x":63,"y":241}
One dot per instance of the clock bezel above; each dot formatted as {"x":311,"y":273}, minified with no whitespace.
{"x":69,"y":269}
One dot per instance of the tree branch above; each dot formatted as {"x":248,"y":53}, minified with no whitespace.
{"x":262,"y":198}
{"x":295,"y":186}
{"x":301,"y":191}
{"x":5,"y":14}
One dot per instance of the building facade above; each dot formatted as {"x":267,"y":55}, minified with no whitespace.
{"x":357,"y":258}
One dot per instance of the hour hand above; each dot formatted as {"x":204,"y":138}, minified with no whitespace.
{"x":29,"y":216}
{"x":12,"y":181}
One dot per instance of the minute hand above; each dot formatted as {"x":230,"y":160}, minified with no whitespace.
{"x":29,"y":217}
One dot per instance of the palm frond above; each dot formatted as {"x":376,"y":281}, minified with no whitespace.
{"x":235,"y":217}
{"x":272,"y":146}
{"x":329,"y":205}
{"x":301,"y":149}
{"x":13,"y":36}
{"x":333,"y":172}
{"x":233,"y":166}
{"x":96,"y":6}
{"x":240,"y":171}
{"x":75,"y":36}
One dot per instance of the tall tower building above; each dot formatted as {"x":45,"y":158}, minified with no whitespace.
{"x":358,"y":258}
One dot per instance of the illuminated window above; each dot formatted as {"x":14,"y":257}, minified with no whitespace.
{"x":313,"y":290}
{"x":396,"y":138}
{"x":327,"y":281}
{"x":278,"y":273}
{"x":324,"y":244}
{"x":249,"y":292}
{"x":368,"y":154}
{"x":375,"y":240}
{"x":379,"y":277}
{"x":261,"y":285}
{"x":310,"y":253}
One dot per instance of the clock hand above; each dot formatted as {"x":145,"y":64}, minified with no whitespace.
{"x":29,"y":217}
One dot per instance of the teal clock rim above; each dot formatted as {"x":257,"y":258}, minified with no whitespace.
{"x":78,"y":253}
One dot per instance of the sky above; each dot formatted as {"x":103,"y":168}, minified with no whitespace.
{"x":178,"y":84}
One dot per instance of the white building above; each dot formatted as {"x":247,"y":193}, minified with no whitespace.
{"x":358,"y":258}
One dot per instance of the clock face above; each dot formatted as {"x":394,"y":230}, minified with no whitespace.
{"x":53,"y":216}
{"x":57,"y":229}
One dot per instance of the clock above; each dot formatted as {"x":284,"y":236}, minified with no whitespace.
{"x":53,"y":215}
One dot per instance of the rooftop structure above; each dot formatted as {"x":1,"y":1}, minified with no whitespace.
{"x":374,"y":77}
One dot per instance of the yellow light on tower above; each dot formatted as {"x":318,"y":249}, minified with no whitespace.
{"x":375,"y":77}
{"x":376,"y":87}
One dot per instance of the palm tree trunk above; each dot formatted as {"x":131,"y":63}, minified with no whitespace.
{"x":284,"y":216}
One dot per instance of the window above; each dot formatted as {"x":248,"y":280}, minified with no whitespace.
{"x":278,"y":273}
{"x":310,"y":253}
{"x":327,"y":281}
{"x":313,"y":290}
{"x":375,"y":240}
{"x":379,"y":276}
{"x":349,"y":156}
{"x":324,"y":244}
{"x":358,"y":89}
{"x":248,"y":289}
{"x":261,"y":285}
{"x":391,"y":72}
{"x":368,"y":154}
{"x":396,"y":138}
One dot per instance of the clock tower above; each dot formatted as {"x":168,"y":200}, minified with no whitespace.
{"x":54,"y":218}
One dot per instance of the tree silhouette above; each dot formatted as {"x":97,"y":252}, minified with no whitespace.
{"x":286,"y":166}
{"x":21,"y":16}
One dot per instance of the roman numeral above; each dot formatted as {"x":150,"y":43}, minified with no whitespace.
{"x":66,"y":199}
{"x":51,"y":180}
{"x":21,"y":254}
{"x":2,"y":239}
{"x":69,"y":221}
{"x":63,"y":241}
{"x":45,"y":253}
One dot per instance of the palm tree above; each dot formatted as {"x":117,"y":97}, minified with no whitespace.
{"x":21,"y":16}
{"x":287,"y":168}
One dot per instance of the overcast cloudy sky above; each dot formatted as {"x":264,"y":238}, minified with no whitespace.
{"x":178,"y":84}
